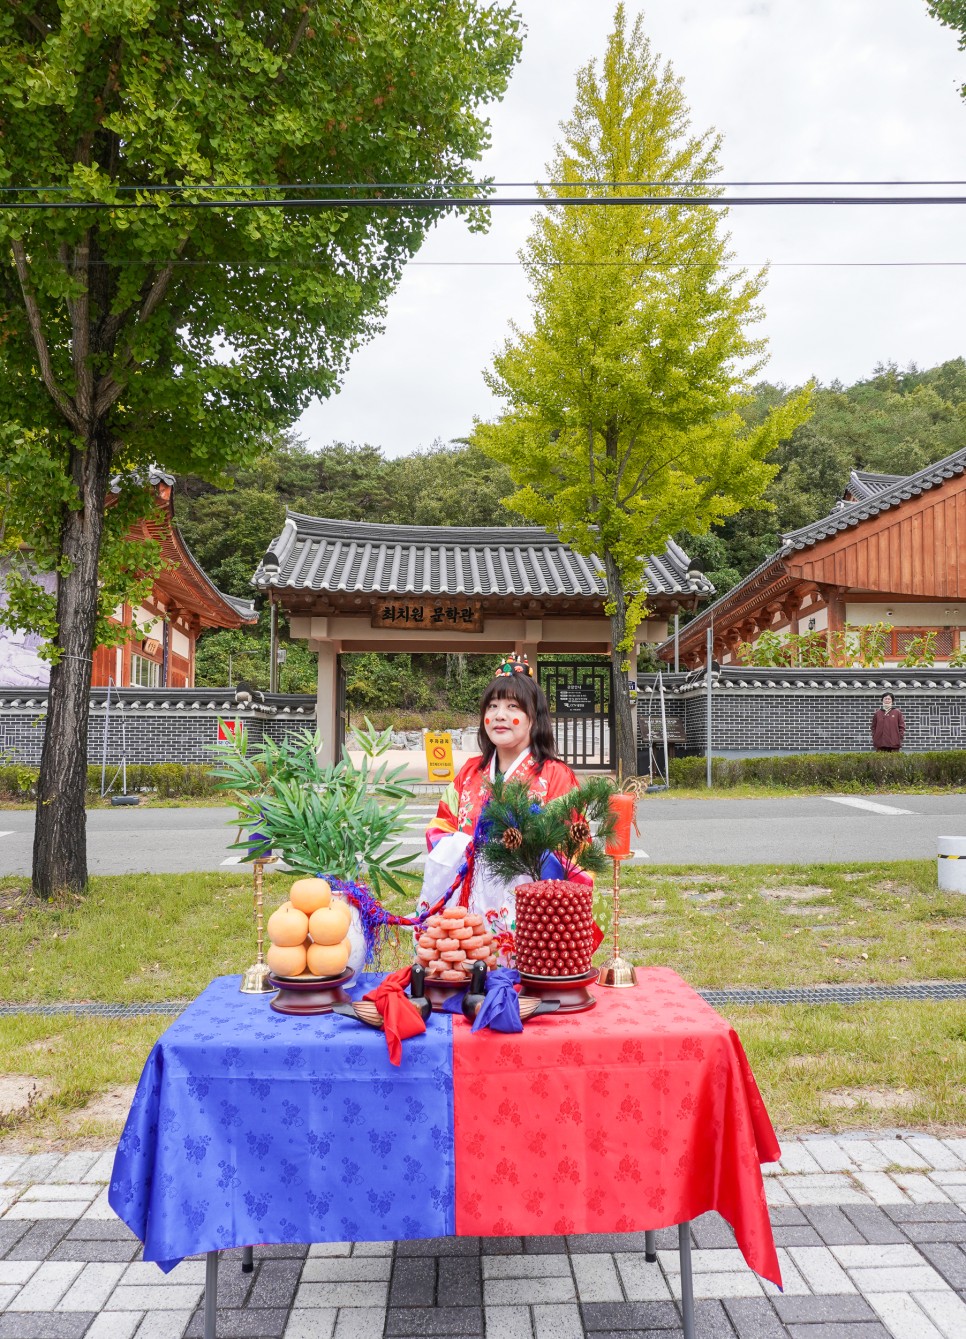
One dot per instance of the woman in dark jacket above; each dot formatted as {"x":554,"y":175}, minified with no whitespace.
{"x":888,"y":726}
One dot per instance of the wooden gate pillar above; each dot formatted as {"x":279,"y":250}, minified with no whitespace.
{"x":327,"y":700}
{"x":529,"y":644}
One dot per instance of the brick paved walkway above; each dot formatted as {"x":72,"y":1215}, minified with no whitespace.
{"x":871,"y":1234}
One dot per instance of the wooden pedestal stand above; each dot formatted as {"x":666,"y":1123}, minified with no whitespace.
{"x":310,"y":994}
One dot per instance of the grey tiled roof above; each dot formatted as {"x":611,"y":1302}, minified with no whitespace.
{"x":244,"y":608}
{"x":863,"y":483}
{"x":153,"y":476}
{"x":891,"y":496}
{"x":314,"y":553}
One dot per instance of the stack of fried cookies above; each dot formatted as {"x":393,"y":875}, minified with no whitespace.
{"x":452,"y":938}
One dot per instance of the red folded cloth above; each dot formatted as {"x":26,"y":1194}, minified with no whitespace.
{"x":401,"y":1017}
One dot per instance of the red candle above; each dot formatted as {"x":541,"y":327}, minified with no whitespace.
{"x":622,"y":807}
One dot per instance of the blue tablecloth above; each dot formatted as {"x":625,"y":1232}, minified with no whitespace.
{"x":250,"y":1126}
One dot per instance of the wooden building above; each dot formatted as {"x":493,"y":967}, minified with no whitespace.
{"x":160,"y":652}
{"x":183,"y":603}
{"x":893,"y":552}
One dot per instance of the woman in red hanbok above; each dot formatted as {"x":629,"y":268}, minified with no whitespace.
{"x":516,"y":738}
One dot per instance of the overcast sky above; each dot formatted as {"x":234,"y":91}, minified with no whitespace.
{"x":801,"y":90}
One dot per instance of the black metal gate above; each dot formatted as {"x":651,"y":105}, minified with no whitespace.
{"x":580,"y":694}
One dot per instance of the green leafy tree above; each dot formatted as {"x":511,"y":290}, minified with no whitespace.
{"x":623,"y":422}
{"x":450,"y":485}
{"x":182,"y":335}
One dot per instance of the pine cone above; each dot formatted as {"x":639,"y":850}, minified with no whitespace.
{"x":580,"y":832}
{"x":512,"y":839}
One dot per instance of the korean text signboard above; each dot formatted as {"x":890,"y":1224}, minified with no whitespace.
{"x":439,"y":755}
{"x":575,"y":699}
{"x":428,"y":615}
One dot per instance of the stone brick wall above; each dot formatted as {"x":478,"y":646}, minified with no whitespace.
{"x":753,"y":711}
{"x":173,"y":725}
{"x":758,"y":711}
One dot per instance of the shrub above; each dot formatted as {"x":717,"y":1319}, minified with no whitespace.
{"x":865,"y":646}
{"x":16,"y":782}
{"x":920,"y":651}
{"x":168,"y":780}
{"x":373,"y":680}
{"x":827,"y":771}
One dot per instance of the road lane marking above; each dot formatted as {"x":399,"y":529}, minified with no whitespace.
{"x":869,"y":805}
{"x":8,"y":833}
{"x":233,"y":860}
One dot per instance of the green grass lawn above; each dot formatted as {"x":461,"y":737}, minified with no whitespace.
{"x":145,"y":938}
{"x":773,"y":925}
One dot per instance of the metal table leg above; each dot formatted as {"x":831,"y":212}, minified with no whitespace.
{"x":650,"y":1246}
{"x":248,"y":1259}
{"x":687,"y":1284}
{"x":211,"y":1293}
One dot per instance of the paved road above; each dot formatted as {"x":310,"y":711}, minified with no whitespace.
{"x":718,"y":831}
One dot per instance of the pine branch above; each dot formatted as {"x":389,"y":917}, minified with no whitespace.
{"x":560,"y":828}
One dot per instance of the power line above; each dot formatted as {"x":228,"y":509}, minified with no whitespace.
{"x":550,"y":264}
{"x":164,"y":188}
{"x":492,"y":202}
{"x":733,"y":265}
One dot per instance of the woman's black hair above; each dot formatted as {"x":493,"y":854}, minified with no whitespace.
{"x":885,"y":695}
{"x":533,"y":701}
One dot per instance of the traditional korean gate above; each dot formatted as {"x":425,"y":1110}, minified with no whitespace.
{"x":580,"y":695}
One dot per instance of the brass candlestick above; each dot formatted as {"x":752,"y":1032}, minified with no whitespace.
{"x":617,"y":971}
{"x":255,"y":981}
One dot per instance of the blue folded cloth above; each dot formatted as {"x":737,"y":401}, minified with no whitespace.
{"x":453,"y":1004}
{"x":500,"y":1009}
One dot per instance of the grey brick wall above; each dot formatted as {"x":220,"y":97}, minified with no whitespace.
{"x":176,"y":726}
{"x":754,"y":711}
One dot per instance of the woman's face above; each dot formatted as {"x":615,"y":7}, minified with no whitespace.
{"x":507,"y":725}
{"x":887,"y":703}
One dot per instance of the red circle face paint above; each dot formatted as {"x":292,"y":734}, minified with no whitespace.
{"x":516,"y":720}
{"x":487,"y":721}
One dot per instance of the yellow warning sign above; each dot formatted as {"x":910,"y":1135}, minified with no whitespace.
{"x":439,"y":755}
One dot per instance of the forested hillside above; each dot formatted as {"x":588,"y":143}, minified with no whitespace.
{"x":895,"y":422}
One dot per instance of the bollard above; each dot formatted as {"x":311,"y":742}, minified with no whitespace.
{"x":952,"y":863}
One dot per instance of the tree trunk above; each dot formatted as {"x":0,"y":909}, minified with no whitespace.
{"x":625,"y":742}
{"x":60,"y":845}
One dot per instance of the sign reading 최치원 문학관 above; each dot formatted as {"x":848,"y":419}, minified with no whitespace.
{"x":428,"y":615}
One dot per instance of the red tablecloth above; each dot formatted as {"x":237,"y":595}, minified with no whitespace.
{"x":641,"y":1113}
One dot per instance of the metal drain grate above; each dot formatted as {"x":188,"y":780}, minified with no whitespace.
{"x":912,"y":990}
{"x":92,"y":1010}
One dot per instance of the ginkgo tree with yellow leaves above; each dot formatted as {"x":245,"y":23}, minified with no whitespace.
{"x":623,"y":420}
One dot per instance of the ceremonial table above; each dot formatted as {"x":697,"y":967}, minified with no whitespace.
{"x":253,"y":1127}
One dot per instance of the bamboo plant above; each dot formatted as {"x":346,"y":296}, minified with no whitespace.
{"x":338,"y":819}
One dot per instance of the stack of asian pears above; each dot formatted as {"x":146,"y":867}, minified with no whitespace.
{"x":309,"y":932}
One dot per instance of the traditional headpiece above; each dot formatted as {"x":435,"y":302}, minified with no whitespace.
{"x":514,"y":664}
